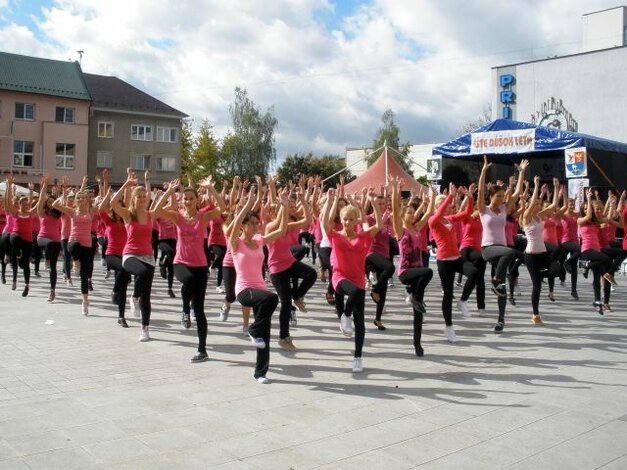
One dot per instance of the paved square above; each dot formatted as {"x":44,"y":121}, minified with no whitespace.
{"x":81,"y":392}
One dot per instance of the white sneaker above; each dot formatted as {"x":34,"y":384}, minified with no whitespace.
{"x":259,"y":343}
{"x":345,"y":326}
{"x":358,"y":365}
{"x":408,"y":299}
{"x":85,"y":308}
{"x":450,"y":334}
{"x":224,"y":313}
{"x":245,"y":330}
{"x":390,"y":284}
{"x":135,"y":307}
{"x":262,"y":380}
{"x":219,"y":290}
{"x":372,"y":277}
{"x":145,"y":335}
{"x":462,"y":306}
{"x":481,"y":311}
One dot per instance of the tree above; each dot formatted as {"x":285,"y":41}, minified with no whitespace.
{"x":205,"y":155}
{"x":484,"y":118}
{"x":389,"y":132}
{"x":187,"y":146}
{"x":309,"y":165}
{"x":249,"y":149}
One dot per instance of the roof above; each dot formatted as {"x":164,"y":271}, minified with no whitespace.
{"x":42,"y":76}
{"x":547,"y":139}
{"x":113,"y":93}
{"x":558,"y":57}
{"x":374,"y":176}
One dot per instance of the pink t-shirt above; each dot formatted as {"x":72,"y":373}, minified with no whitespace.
{"x":190,"y":247}
{"x":280,"y":256}
{"x":139,"y":238}
{"x":50,"y":228}
{"x":493,"y":226}
{"x":167,"y":229}
{"x":80,"y":229}
{"x":408,"y":247}
{"x":471,"y":233}
{"x":115,"y":233}
{"x":248,"y":262}
{"x":350,"y":258}
{"x":589,"y":237}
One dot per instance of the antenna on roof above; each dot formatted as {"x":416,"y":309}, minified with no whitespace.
{"x":80,"y":57}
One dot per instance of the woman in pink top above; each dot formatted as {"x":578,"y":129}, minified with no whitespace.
{"x":167,"y":246}
{"x":21,"y":234}
{"x":49,"y":237}
{"x":411,"y":272}
{"x":250,"y":287}
{"x":569,"y":244}
{"x":350,"y":248}
{"x":138,"y":257}
{"x":600,"y":264}
{"x":4,"y":242}
{"x":610,"y":247}
{"x":80,"y":240}
{"x":190,"y":262}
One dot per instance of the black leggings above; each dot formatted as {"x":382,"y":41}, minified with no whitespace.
{"x":264,"y":304}
{"x":325,"y":263}
{"x":67,"y":259}
{"x":281,"y":283}
{"x":447,"y":270}
{"x":83,"y":254}
{"x":229,"y":278}
{"x":501,"y":256}
{"x":193,"y":289}
{"x":384,"y":270}
{"x":218,"y":259}
{"x":37,"y":253}
{"x":600,"y":264}
{"x":473,"y":256}
{"x":417,"y":279}
{"x":144,"y":274}
{"x":574,"y":250}
{"x":540,"y":266}
{"x":354,"y":307}
{"x":5,"y":251}
{"x":120,"y":284}
{"x":20,"y":256}
{"x":51,"y":252}
{"x":168,"y":251}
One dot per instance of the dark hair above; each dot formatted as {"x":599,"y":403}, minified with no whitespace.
{"x":190,"y":189}
{"x":495,"y":188}
{"x":249,"y":216}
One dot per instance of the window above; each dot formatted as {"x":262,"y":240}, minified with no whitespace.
{"x":166,"y":134}
{"x":65,"y":156}
{"x":104,"y":159}
{"x":165,"y":163}
{"x":105,"y":129}
{"x":25,"y":111}
{"x":140,"y":162}
{"x":141,"y":132}
{"x":23,"y":153}
{"x":64,"y":115}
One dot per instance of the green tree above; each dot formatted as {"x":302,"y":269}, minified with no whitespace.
{"x":390,"y":133}
{"x":309,"y":165}
{"x":205,"y":155}
{"x":249,"y":149}
{"x":187,"y":146}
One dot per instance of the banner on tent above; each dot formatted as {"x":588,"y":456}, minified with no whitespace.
{"x":576,"y":161}
{"x":509,"y":141}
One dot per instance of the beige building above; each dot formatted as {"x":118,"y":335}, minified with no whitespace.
{"x":44,"y":112}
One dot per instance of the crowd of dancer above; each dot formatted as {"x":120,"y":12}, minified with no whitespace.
{"x":254,"y":231}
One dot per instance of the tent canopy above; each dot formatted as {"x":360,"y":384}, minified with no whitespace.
{"x":17,"y":190}
{"x":547,"y":139}
{"x":375,"y":175}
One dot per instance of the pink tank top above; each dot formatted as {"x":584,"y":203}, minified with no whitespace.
{"x":50,"y":228}
{"x":80,"y":230}
{"x":190,"y":247}
{"x":589,"y":237}
{"x":65,"y":227}
{"x":115,"y":233}
{"x":280,"y":256}
{"x":350,"y":257}
{"x":535,"y":240}
{"x":549,"y":234}
{"x":139,"y":238}
{"x":8,"y":228}
{"x":409,"y":251}
{"x":493,"y":226}
{"x":216,"y":234}
{"x":167,"y":229}
{"x":24,"y":227}
{"x":248,"y":263}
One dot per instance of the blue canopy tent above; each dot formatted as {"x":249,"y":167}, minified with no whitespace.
{"x":607,"y":159}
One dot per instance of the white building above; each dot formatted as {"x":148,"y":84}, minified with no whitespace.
{"x":582,"y":92}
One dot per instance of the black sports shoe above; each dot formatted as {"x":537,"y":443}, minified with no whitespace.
{"x":52,"y":296}
{"x":122,"y":323}
{"x":599,"y":306}
{"x":25,"y":291}
{"x":186,"y":322}
{"x":171,"y":294}
{"x":512,"y":300}
{"x":574,"y":295}
{"x":419,"y":351}
{"x":499,"y":326}
{"x":200,"y":357}
{"x":90,"y":286}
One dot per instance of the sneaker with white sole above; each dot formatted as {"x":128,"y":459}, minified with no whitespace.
{"x":450,"y":334}
{"x":135,"y":307}
{"x":145,"y":335}
{"x":345,"y":325}
{"x":481,"y":311}
{"x":219,"y":290}
{"x":224,"y":312}
{"x":462,"y":306}
{"x":85,"y":307}
{"x":408,"y":299}
{"x":372,"y":277}
{"x":245,"y":330}
{"x":262,"y":380}
{"x":259,"y":343}
{"x":358,"y":365}
{"x":293,"y":317}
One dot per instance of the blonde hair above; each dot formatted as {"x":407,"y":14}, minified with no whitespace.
{"x":439,"y":199}
{"x":349,"y":209}
{"x":132,"y":206}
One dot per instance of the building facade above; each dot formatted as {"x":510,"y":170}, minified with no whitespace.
{"x":581,"y":92}
{"x":44,"y":112}
{"x":130,"y":129}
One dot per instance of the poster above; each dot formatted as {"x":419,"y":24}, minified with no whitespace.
{"x":576,"y":161}
{"x":576,"y":187}
{"x":434,"y":168}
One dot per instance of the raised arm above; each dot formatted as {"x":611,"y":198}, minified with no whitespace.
{"x":397,"y":222}
{"x":534,"y":199}
{"x":328,"y":211}
{"x":9,"y":206}
{"x":588,"y":217}
{"x":481,"y":189}
{"x":307,"y":216}
{"x":554,"y":202}
{"x":511,"y":204}
{"x":117,"y":207}
{"x":239,"y":217}
{"x":374,"y":229}
{"x":41,"y":202}
{"x":283,"y":217}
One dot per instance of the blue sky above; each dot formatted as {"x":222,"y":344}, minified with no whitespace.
{"x":22,"y":12}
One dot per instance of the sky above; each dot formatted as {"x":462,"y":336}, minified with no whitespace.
{"x":329,"y":68}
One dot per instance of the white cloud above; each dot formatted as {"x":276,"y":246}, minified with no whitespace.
{"x":429,"y":61}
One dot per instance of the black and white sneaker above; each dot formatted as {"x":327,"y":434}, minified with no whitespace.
{"x":500,"y":290}
{"x":186,"y":322}
{"x":599,"y":306}
{"x":499,"y":326}
{"x":200,"y":357}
